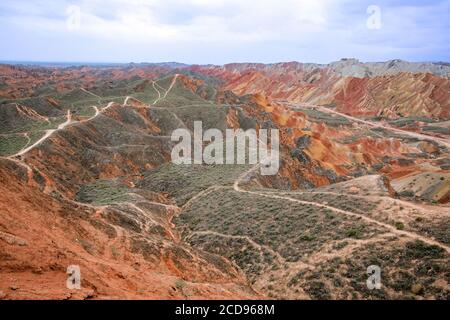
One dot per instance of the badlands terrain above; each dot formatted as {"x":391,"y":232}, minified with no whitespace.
{"x":86,"y":179}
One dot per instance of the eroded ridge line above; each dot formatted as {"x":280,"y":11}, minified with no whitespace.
{"x":441,"y":141}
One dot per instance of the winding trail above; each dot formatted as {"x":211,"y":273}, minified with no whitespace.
{"x":26,"y":135}
{"x":159,"y":93}
{"x":236,"y":186}
{"x":91,"y":93}
{"x":62,"y":126}
{"x":20,"y":162}
{"x":201,"y":194}
{"x":313,"y":260}
{"x":126,"y":100}
{"x":30,"y":113}
{"x":441,"y":141}
{"x":47,"y":134}
{"x":158,"y":85}
{"x":391,"y":228}
{"x":160,"y":96}
{"x":171,"y":85}
{"x":258,"y":246}
{"x":369,"y":197}
{"x":141,"y":199}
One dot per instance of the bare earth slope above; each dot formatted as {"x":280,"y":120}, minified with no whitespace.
{"x":86,"y":179}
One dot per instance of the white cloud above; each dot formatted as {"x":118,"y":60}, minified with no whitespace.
{"x":222,"y":20}
{"x":284,"y":29}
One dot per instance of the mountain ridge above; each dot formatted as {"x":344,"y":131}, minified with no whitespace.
{"x":349,"y":67}
{"x":93,"y":146}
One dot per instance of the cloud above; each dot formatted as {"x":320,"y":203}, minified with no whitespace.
{"x":268,"y":30}
{"x":202,"y":20}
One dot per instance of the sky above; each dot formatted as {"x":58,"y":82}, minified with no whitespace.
{"x":224,"y":31}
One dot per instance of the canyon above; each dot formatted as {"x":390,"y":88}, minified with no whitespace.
{"x":87,"y":179}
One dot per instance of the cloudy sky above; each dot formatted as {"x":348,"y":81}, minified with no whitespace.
{"x":223,"y":31}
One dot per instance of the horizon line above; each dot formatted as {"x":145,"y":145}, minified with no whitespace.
{"x":92,"y":63}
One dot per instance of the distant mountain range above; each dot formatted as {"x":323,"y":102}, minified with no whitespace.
{"x":344,"y":67}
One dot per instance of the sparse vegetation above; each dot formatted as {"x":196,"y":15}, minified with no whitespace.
{"x":103,"y":192}
{"x":399,"y":226}
{"x":316,"y":247}
{"x":11,"y":144}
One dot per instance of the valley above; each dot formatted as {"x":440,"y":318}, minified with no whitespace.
{"x":87,"y":179}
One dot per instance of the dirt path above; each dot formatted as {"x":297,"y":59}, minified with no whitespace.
{"x":391,"y":228}
{"x":21,"y":164}
{"x":159,"y":93}
{"x":258,"y":246}
{"x":140,"y":199}
{"x":91,"y":93}
{"x":199,"y":106}
{"x":26,"y":135}
{"x":98,"y":112}
{"x":171,"y":85}
{"x":369,"y":197}
{"x":154,"y":84}
{"x":441,"y":141}
{"x":15,"y":158}
{"x":202,"y":194}
{"x":149,"y":216}
{"x":160,"y":96}
{"x":30,"y":113}
{"x":47,"y":134}
{"x":126,"y":100}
